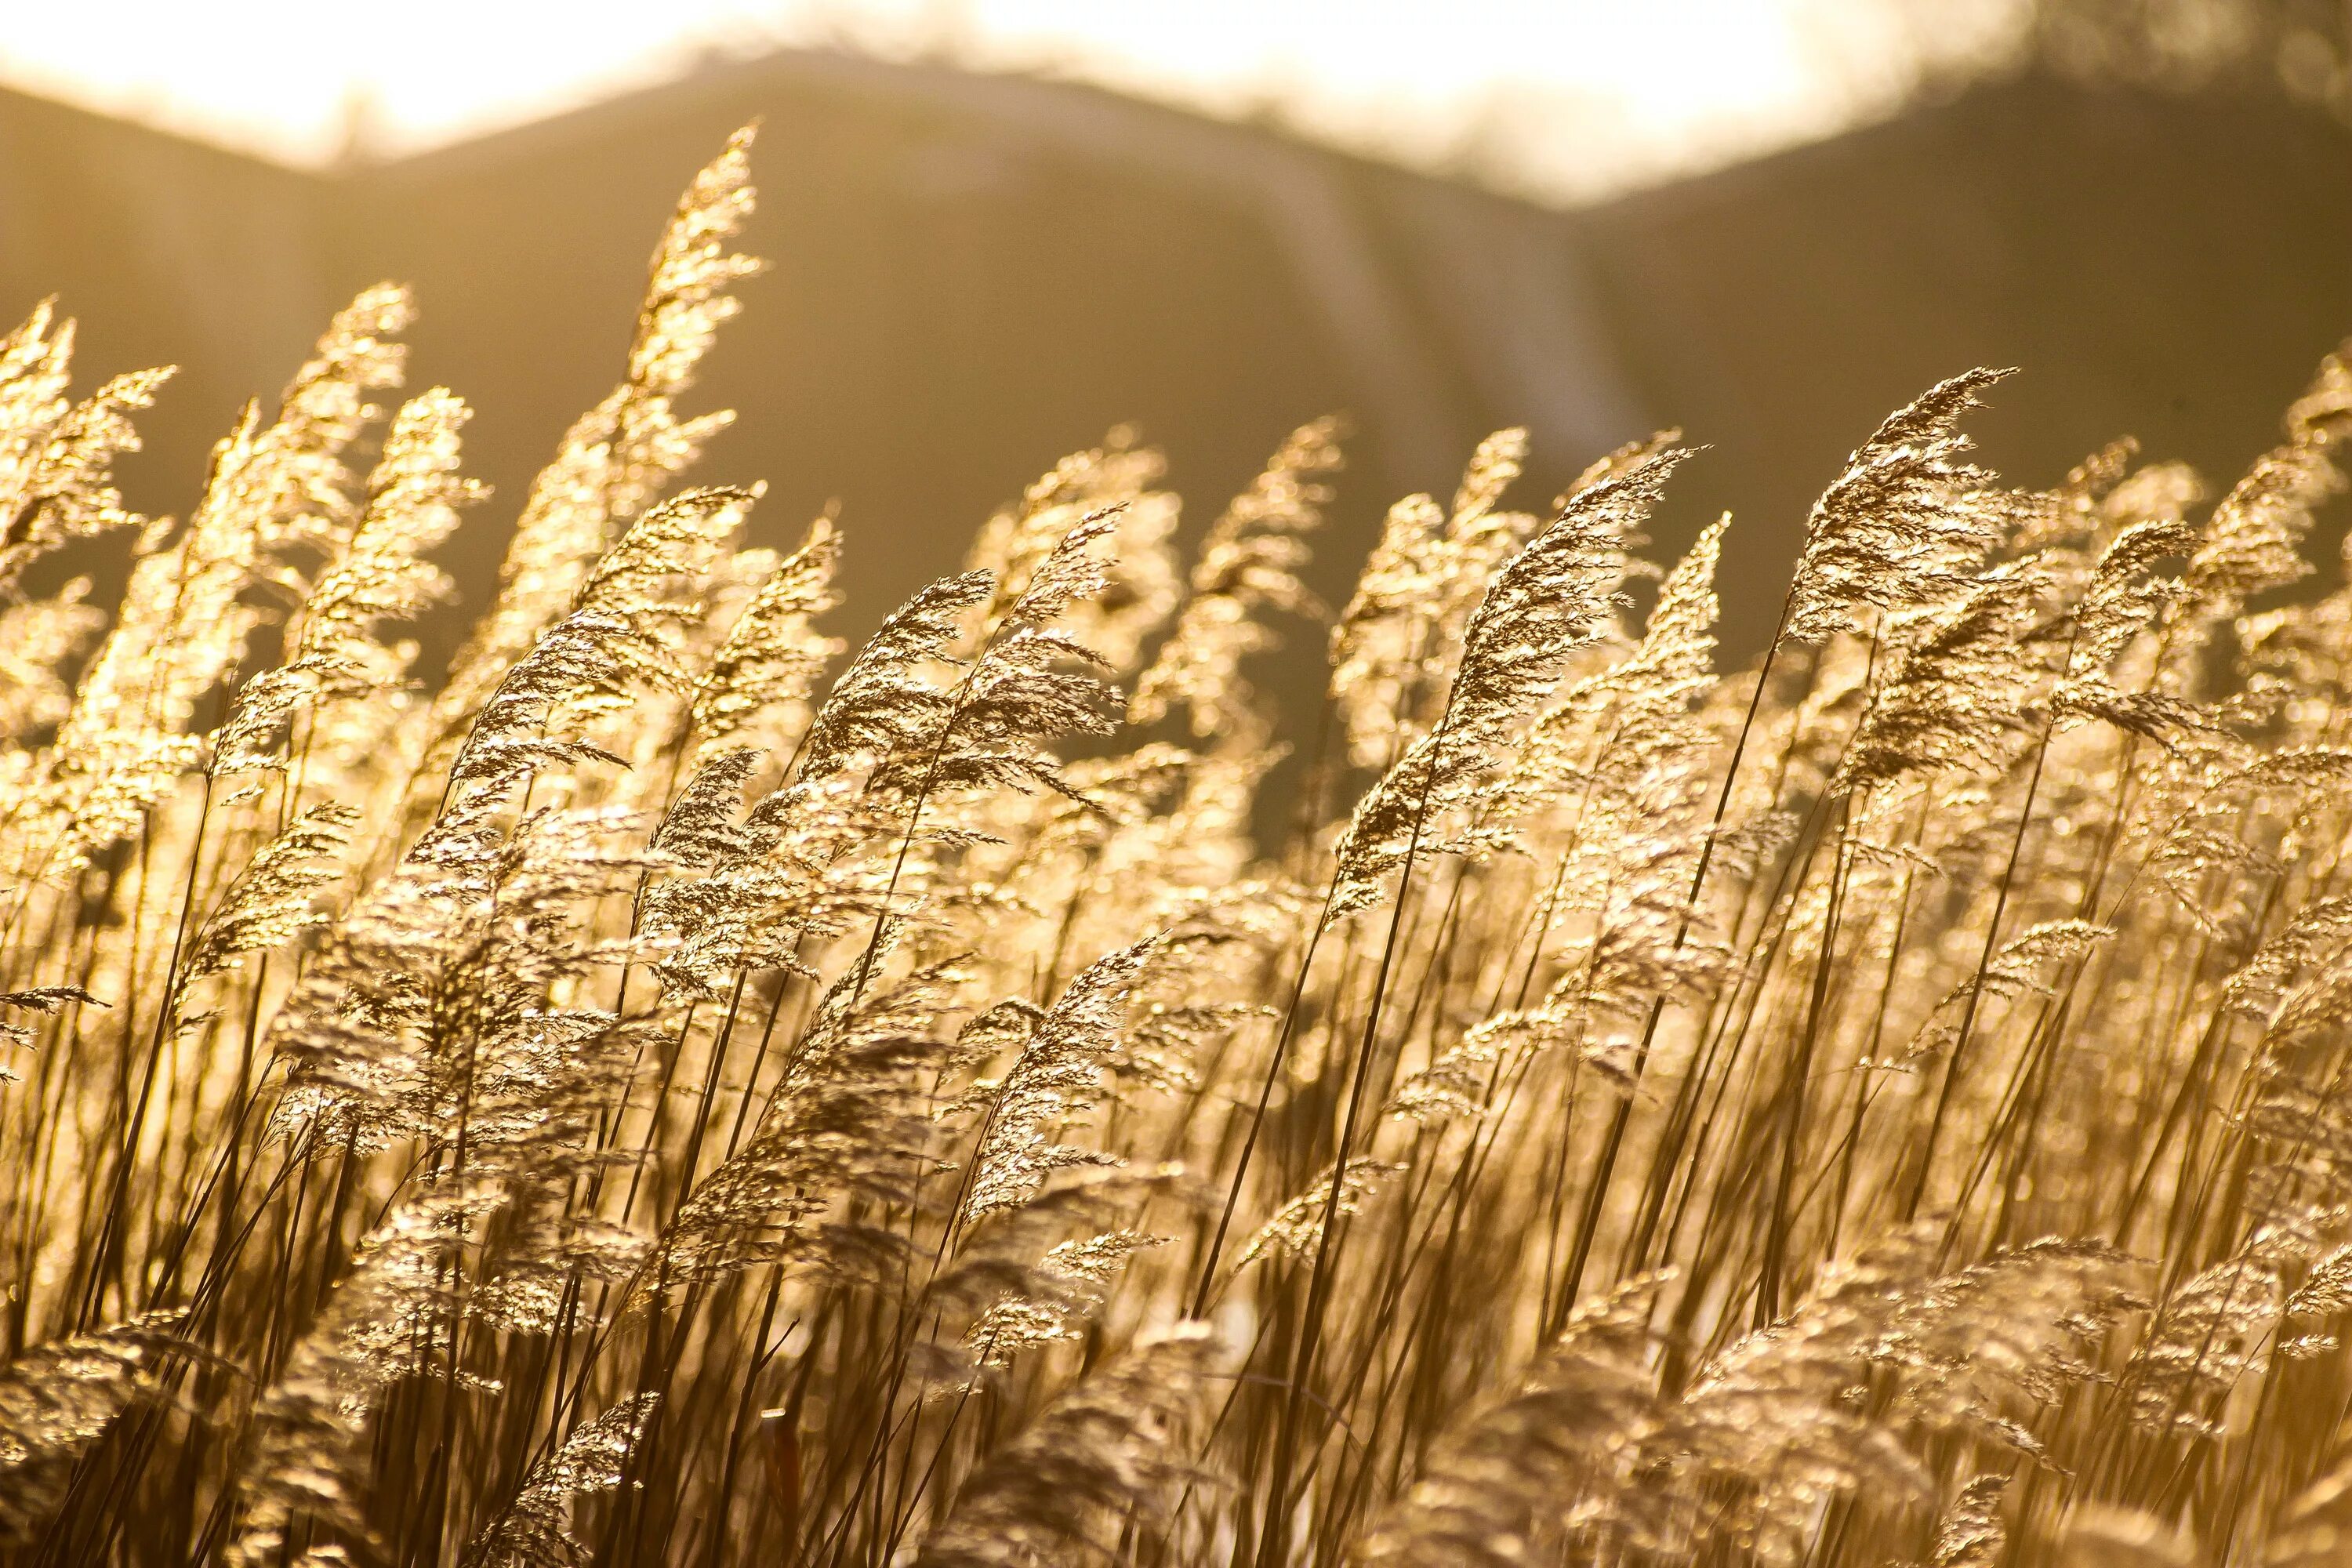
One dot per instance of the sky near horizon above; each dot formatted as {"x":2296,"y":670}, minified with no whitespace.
{"x":1559,"y":99}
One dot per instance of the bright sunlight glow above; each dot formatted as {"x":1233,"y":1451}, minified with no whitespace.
{"x":1561,"y":98}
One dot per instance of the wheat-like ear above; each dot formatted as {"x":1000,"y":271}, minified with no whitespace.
{"x":699,"y":829}
{"x":1772,"y":1421}
{"x":2211,"y":1331}
{"x":2205,"y":838}
{"x":1543,"y":1472}
{"x":274,"y":488}
{"x":622,"y":633}
{"x":2125,"y":599}
{"x":1056,"y":1081}
{"x":1031,"y":681}
{"x":1397,"y":644}
{"x":1633,"y":718}
{"x":55,"y":1400}
{"x":389,"y":1318}
{"x":1292,"y":1230}
{"x":1986,"y":1350}
{"x":1015,"y":1294}
{"x":270,"y":903}
{"x":772,"y":654}
{"x":1768,"y":1422}
{"x":1620,"y":460}
{"x":43,"y":999}
{"x":854,"y":1134}
{"x":1557,"y":595}
{"x":1249,"y":564}
{"x":2125,"y":594}
{"x":39,"y":641}
{"x":1908,"y":522}
{"x":1675,"y":658}
{"x":334,"y":643}
{"x":1102,"y":1457}
{"x":301,"y":486}
{"x":1480,"y":537}
{"x":57,"y":456}
{"x":1057,"y":1298}
{"x":529,"y":1532}
{"x":618,"y":456}
{"x":1492,"y":468}
{"x":2326,"y":1289}
{"x":2023,"y":962}
{"x":1554,"y":596}
{"x":1378,"y":643}
{"x":879,"y":705}
{"x":2253,"y":539}
{"x":1457,"y":1079}
{"x":846,"y":1128}
{"x":1109,"y":484}
{"x":792,"y":874}
{"x":1958,"y":686}
{"x":1972,"y":1533}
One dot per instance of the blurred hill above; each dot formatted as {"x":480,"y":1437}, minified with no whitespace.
{"x":975,"y":275}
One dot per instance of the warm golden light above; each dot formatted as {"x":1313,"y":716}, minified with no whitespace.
{"x":1350,"y":1019}
{"x":1565,"y":99}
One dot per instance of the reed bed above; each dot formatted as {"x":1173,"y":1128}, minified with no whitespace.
{"x":678,"y":1089}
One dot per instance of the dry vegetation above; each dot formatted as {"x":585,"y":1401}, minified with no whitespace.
{"x":678,"y":1093}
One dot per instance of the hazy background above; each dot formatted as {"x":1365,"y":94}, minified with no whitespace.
{"x":999,"y":227}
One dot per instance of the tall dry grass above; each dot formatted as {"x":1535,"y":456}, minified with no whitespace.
{"x":677,"y":1093}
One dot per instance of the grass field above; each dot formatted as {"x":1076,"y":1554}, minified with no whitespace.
{"x":679,"y":1090}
